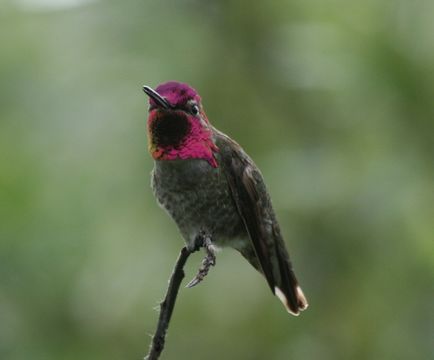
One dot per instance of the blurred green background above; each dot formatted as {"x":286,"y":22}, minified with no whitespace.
{"x":333,"y":100}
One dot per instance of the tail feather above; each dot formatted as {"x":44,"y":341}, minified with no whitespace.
{"x":286,"y":287}
{"x":287,"y":290}
{"x":301,"y":300}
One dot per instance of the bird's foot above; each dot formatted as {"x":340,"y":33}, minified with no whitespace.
{"x":208,"y":261}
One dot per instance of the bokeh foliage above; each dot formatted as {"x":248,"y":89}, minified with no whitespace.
{"x":333,"y":100}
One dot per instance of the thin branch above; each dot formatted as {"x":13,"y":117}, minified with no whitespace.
{"x":167,"y":305}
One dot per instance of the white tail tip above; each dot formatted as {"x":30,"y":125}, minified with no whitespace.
{"x":301,"y":299}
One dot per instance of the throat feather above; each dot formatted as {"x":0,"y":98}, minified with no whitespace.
{"x":178,"y":137}
{"x":170,"y":130}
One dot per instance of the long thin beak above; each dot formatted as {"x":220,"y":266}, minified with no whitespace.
{"x":156,"y":97}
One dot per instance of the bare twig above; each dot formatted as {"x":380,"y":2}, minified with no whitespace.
{"x":167,"y":305}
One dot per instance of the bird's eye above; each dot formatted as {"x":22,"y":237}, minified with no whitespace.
{"x":195,"y":109}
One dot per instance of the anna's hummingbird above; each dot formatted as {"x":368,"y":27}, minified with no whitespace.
{"x":209,"y":185}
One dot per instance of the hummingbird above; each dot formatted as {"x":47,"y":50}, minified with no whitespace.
{"x":209,"y":185}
